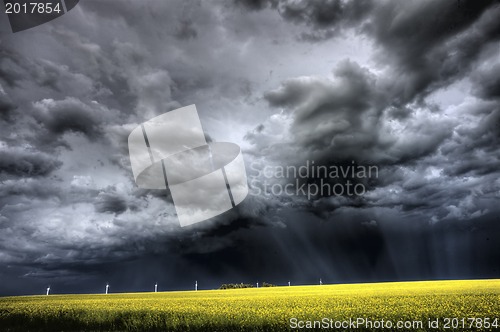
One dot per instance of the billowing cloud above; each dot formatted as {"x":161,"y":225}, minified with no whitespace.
{"x":21,"y":162}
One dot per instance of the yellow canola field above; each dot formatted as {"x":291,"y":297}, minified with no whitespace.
{"x":469,"y":305}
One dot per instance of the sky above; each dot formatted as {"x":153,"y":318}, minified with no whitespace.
{"x":409,"y":87}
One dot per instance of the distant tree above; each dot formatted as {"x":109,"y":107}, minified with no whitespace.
{"x":235,"y":286}
{"x":242,"y":285}
{"x":265,"y":284}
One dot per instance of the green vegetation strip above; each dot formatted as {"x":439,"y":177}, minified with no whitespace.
{"x":259,"y":309}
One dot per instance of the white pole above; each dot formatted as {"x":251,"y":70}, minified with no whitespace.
{"x":48,"y":290}
{"x":156,"y":287}
{"x":196,"y":285}
{"x":107,"y":287}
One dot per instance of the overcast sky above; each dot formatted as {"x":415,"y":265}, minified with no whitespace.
{"x":412,"y":87}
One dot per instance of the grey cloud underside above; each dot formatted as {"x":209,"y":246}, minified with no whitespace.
{"x":385,"y":118}
{"x":71,"y":93}
{"x":19,"y":162}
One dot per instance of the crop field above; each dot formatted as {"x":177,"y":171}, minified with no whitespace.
{"x":472,"y":305}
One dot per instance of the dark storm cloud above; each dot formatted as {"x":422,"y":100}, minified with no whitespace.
{"x":385,"y":117}
{"x":323,"y":110}
{"x":320,"y":15}
{"x":430,"y":42}
{"x":68,"y":192}
{"x":487,"y":82}
{"x":68,"y":115}
{"x":478,"y":156}
{"x":109,"y":202}
{"x":324,"y":14}
{"x":186,"y":30}
{"x":434,"y":42}
{"x":6,"y":105}
{"x":256,"y":4}
{"x":9,"y":67}
{"x":41,"y":76}
{"x":329,"y":116}
{"x":23,"y":162}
